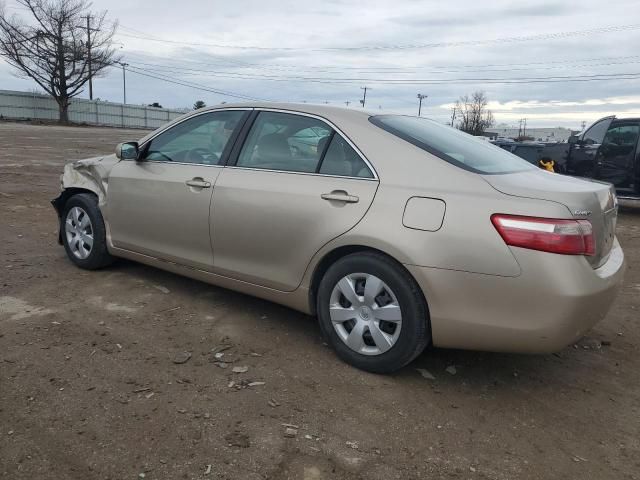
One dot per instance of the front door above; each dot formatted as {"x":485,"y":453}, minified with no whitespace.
{"x":581,"y":161}
{"x":160,"y":205}
{"x":296,"y":185}
{"x":616,"y":156}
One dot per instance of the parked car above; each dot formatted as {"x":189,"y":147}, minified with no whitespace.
{"x":397,"y":233}
{"x":532,"y":152}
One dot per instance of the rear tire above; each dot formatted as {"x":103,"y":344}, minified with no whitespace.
{"x":385,"y":325}
{"x":83,"y":232}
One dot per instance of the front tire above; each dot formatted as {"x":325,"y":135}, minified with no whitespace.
{"x":372,"y":312}
{"x":83,"y":232}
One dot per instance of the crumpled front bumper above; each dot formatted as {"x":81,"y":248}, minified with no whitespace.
{"x":58,"y":205}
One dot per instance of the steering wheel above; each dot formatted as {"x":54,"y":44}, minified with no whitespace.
{"x":154,"y":153}
{"x":201,"y":155}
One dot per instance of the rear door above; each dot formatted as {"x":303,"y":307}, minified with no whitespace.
{"x":581,"y":161}
{"x":616,"y":156}
{"x":160,"y":205}
{"x":279,"y":202}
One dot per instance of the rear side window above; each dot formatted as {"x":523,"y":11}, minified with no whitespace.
{"x":621,"y":139}
{"x":283,"y":141}
{"x":343,"y":160}
{"x":452,"y":145}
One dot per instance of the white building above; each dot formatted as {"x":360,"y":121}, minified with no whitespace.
{"x":555,"y":134}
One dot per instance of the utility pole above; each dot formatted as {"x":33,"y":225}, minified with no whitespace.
{"x":124,"y":81}
{"x":364,"y":97}
{"x":524,"y":132}
{"x":420,"y":98}
{"x":519,"y":128}
{"x":453,"y":116}
{"x":89,"y":57}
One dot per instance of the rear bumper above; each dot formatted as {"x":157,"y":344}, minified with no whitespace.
{"x":553,"y":303}
{"x":629,"y":202}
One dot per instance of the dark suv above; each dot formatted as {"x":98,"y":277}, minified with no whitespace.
{"x":609,"y":151}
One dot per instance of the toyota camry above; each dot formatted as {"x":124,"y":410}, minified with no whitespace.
{"x":397,"y":232}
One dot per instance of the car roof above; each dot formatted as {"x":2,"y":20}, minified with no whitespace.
{"x":627,"y":119}
{"x":329,"y":112}
{"x":334,"y":114}
{"x":322,"y":110}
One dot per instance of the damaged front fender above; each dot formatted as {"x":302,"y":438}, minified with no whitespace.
{"x":90,"y":175}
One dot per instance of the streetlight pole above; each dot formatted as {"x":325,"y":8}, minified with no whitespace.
{"x":124,"y":81}
{"x":420,"y":98}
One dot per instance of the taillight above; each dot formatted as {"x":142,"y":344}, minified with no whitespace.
{"x":568,"y":237}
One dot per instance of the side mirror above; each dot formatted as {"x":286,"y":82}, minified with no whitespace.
{"x":127,"y":151}
{"x":573,"y":140}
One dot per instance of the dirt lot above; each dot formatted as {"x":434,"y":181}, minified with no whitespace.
{"x":89,"y":387}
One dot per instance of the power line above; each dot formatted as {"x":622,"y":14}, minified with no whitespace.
{"x":186,"y":68}
{"x":375,"y":69}
{"x":395,"y":81}
{"x":524,"y":38}
{"x":193,"y":85}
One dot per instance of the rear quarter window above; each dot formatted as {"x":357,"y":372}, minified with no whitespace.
{"x":452,"y":145}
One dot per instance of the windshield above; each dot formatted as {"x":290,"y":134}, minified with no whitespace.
{"x":452,"y":145}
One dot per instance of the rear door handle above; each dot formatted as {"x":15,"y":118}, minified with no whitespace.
{"x":340,"y":196}
{"x":198,"y":182}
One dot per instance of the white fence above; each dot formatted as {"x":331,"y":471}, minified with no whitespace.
{"x":34,"y":106}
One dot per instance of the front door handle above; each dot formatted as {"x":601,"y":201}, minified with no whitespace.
{"x":198,"y":182}
{"x":340,"y":196}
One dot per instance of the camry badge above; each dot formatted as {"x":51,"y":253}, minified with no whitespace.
{"x":582,"y":213}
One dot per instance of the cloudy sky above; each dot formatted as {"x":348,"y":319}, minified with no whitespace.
{"x":519,"y":53}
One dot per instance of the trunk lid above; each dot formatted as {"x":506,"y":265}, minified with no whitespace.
{"x":586,"y":199}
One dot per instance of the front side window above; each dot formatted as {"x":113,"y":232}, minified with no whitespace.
{"x":451,"y":145}
{"x":596,"y":132}
{"x":201,"y":139}
{"x":284,"y":141}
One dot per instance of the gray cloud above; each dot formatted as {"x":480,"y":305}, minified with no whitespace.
{"x":550,"y":9}
{"x":306,"y":27}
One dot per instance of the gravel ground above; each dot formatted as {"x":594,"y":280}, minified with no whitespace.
{"x":95,"y":382}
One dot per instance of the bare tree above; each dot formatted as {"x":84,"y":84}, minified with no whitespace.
{"x":59,"y":48}
{"x":472,"y":111}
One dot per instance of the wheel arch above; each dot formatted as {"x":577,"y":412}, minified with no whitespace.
{"x":336,"y":254}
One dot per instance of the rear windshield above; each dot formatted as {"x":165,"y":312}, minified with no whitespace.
{"x":452,"y":145}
